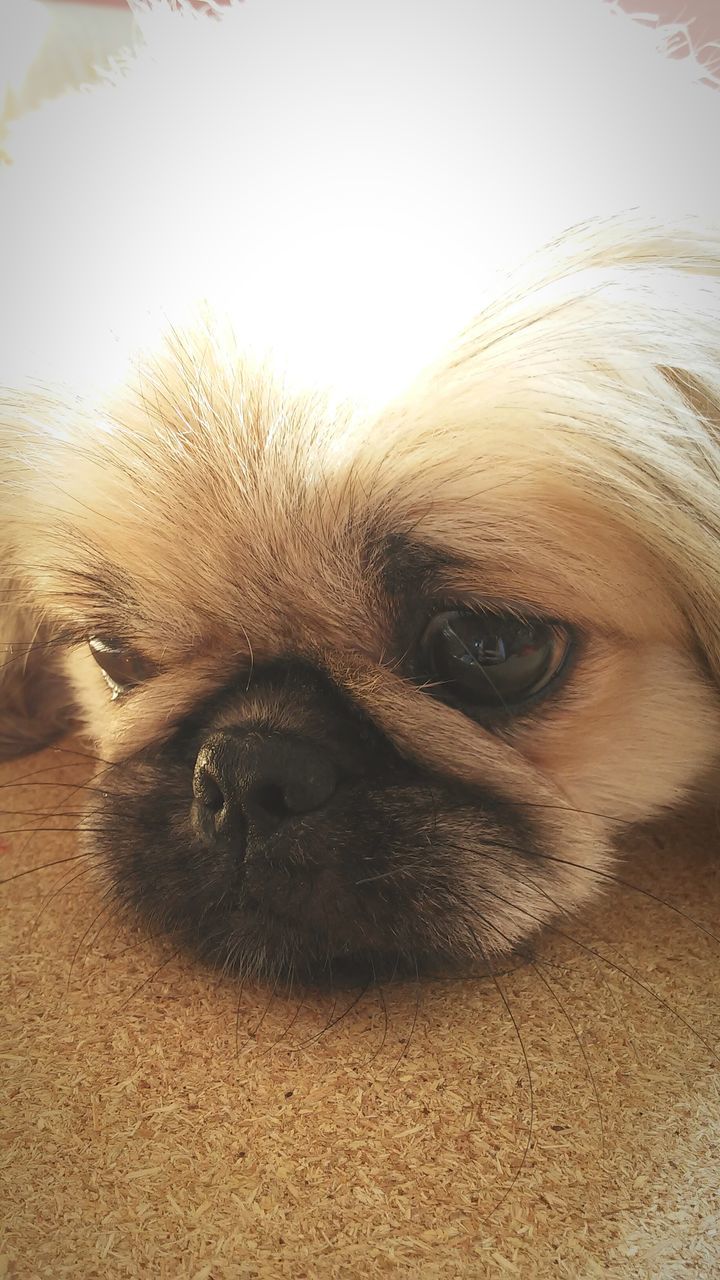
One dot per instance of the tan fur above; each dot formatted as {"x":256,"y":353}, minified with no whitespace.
{"x":35,"y":701}
{"x":565,"y":446}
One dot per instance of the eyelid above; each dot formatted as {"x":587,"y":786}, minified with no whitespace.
{"x":495,"y":608}
{"x":103,"y":643}
{"x":112,"y":654}
{"x":81,"y":633}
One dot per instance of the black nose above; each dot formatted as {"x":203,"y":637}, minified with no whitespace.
{"x":258,"y":781}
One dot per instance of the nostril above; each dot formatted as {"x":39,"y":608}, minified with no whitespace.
{"x":214,"y":798}
{"x":249,"y":786}
{"x":207,"y":791}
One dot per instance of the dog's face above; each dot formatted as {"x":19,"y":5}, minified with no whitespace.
{"x":370,"y":692}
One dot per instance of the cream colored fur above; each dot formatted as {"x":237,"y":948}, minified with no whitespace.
{"x":450,"y":269}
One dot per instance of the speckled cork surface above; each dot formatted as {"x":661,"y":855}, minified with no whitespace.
{"x":161,"y":1123}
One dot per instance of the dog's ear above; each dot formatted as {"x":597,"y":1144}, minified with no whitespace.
{"x":36,"y":704}
{"x":699,"y":575}
{"x":35,"y":699}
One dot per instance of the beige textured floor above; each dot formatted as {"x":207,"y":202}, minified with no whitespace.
{"x":160,"y":1125}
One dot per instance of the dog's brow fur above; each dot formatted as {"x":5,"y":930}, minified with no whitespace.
{"x":407,"y":567}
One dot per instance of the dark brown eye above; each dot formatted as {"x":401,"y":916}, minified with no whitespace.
{"x":492,"y":661}
{"x":122,"y":666}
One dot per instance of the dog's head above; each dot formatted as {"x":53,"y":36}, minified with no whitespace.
{"x":382,"y":689}
{"x":370,"y":684}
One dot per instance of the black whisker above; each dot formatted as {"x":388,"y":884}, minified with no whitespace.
{"x":288,"y":1028}
{"x":490,"y":843}
{"x":42,"y":813}
{"x":528,"y":1069}
{"x":237,"y":1019}
{"x":409,"y":1037}
{"x":626,"y":884}
{"x":332,"y":1021}
{"x":386,"y":1023}
{"x":535,"y":965}
{"x":56,"y":862}
{"x":151,"y":978}
{"x":583,"y":946}
{"x":133,"y":946}
{"x":108,"y":904}
{"x":56,"y":892}
{"x":252,"y":1035}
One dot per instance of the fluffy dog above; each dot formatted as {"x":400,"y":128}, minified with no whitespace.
{"x":361,"y":466}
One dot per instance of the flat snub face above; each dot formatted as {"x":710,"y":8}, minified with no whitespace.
{"x":357,"y":710}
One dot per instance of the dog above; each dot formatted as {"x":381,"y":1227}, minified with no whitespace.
{"x":360,"y":447}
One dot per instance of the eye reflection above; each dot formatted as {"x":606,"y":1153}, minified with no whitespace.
{"x":491,"y":660}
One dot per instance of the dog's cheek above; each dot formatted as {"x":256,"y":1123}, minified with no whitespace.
{"x":92,"y":695}
{"x":639,"y":732}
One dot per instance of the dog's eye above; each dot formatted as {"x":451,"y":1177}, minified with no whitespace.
{"x":492,"y":661}
{"x":122,"y":666}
